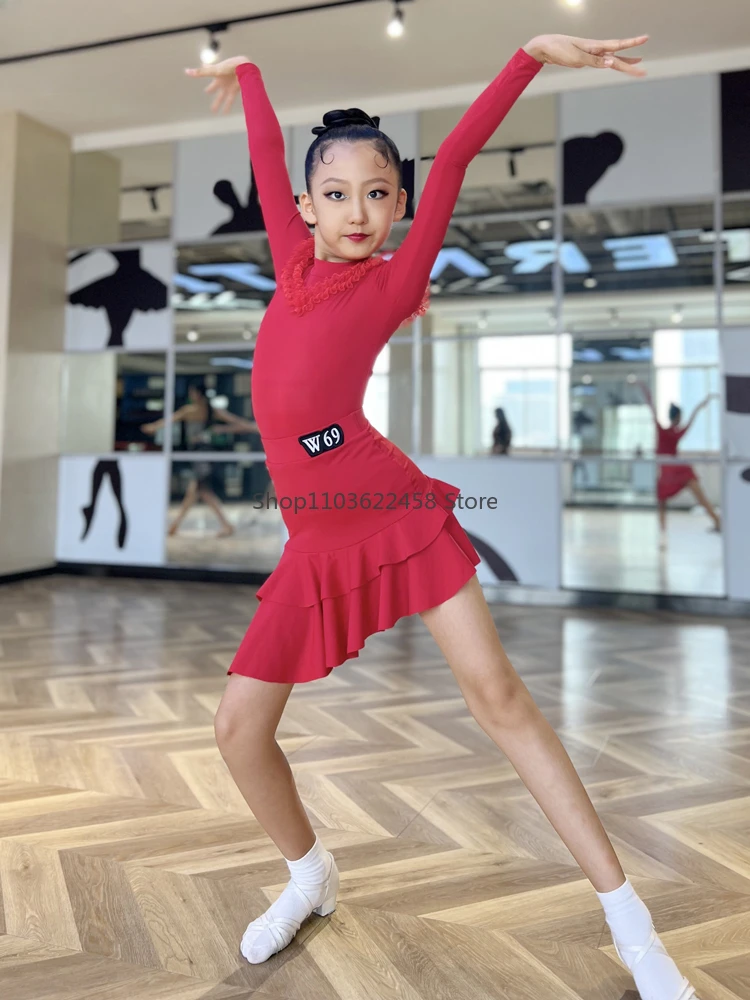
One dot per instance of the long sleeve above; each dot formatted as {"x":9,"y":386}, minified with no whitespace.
{"x":409,"y":269}
{"x":284,"y":224}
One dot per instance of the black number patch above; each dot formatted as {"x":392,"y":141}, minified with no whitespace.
{"x":320,"y":442}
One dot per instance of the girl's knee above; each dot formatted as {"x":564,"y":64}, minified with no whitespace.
{"x":238,"y":730}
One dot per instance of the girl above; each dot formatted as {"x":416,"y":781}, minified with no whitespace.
{"x":673,"y":479}
{"x":353,"y":566}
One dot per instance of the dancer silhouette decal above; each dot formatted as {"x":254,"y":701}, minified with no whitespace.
{"x":586,"y":159}
{"x":128,"y":290}
{"x":245,"y":218}
{"x":104,"y":468}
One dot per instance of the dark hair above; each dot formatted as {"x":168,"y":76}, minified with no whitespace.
{"x":675,"y":413}
{"x":352,"y":125}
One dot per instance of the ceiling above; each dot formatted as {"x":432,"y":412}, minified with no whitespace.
{"x":325,"y":57}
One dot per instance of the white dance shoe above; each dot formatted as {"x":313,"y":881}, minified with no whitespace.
{"x":278,"y":926}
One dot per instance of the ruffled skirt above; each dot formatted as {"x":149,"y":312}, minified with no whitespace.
{"x":371,"y":539}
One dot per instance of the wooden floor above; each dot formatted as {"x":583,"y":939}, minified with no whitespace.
{"x":129,"y":864}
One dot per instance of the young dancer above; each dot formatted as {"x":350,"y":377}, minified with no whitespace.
{"x":673,"y":479}
{"x":392,"y":546}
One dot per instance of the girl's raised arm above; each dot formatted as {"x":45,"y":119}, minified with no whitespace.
{"x":284,"y":224}
{"x":409,"y":269}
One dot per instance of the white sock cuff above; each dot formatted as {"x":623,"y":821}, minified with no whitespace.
{"x":617,"y":896}
{"x":314,"y":860}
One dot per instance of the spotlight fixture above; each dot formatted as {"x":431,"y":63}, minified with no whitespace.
{"x":614,"y":317}
{"x":247,"y":333}
{"x":192,"y":336}
{"x":482,"y":322}
{"x":677,"y":315}
{"x":631,"y":379}
{"x":152,"y":199}
{"x":552,"y":317}
{"x":211,"y":51}
{"x":573,"y":3}
{"x":590,"y":282}
{"x":395,"y":27}
{"x":544,"y":225}
{"x":587,"y":379}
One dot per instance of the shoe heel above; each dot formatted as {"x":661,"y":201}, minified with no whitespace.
{"x":328,"y":905}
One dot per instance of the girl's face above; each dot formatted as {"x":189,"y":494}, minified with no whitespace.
{"x":355,"y":192}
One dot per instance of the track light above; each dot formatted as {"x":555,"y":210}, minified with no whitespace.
{"x":590,"y":282}
{"x":544,"y":225}
{"x":192,"y":336}
{"x":152,"y":199}
{"x":483,"y":322}
{"x":677,"y":315}
{"x":395,"y":27}
{"x":210,"y":53}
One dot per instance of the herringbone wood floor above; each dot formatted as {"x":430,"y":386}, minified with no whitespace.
{"x":129,"y":864}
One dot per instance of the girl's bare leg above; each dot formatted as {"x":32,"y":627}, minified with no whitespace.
{"x":212,"y":501}
{"x":500,"y":702}
{"x":245,"y":727}
{"x":502,"y":705}
{"x":699,"y":493}
{"x":191,"y":495}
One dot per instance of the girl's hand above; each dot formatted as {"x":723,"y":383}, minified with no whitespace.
{"x":148,"y":428}
{"x":564,"y":50}
{"x":224,"y":81}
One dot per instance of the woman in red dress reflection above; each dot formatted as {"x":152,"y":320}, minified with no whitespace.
{"x":673,"y":479}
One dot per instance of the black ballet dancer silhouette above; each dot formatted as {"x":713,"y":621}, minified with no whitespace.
{"x":120,"y":294}
{"x":586,"y":159}
{"x":104,"y":468}
{"x":245,"y":218}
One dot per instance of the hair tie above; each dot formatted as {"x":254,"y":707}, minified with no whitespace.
{"x":340,"y":119}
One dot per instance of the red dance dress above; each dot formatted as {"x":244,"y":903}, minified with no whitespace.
{"x":371,"y":537}
{"x":672,"y":478}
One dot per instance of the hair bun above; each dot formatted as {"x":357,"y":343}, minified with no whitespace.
{"x":340,"y":119}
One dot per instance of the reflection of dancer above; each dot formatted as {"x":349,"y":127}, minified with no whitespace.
{"x":586,"y":160}
{"x":106,"y":468}
{"x":502,"y":435}
{"x":245,"y":218}
{"x":347,"y":573}
{"x":200,"y":419}
{"x":130,"y":288}
{"x":673,"y":479}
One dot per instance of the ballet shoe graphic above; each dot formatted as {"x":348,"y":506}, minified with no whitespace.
{"x":88,"y":516}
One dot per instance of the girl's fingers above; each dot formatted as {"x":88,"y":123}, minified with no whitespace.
{"x":611,"y":45}
{"x":213,"y":85}
{"x":228,"y":102}
{"x":624,"y":66}
{"x":217,"y":102}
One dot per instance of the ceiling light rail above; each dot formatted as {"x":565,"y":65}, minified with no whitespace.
{"x":212,"y":27}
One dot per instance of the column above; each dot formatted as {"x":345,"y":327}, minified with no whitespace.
{"x":34,"y":216}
